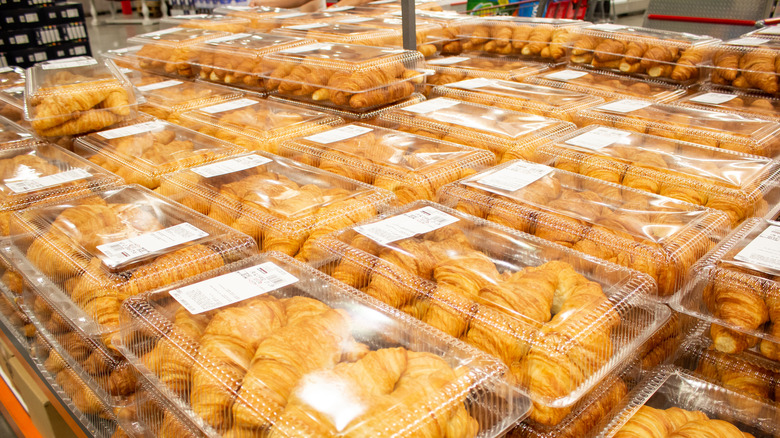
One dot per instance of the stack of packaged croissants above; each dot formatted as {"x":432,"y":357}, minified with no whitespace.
{"x":258,"y":223}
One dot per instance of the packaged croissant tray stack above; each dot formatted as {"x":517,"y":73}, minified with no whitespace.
{"x":11,"y":77}
{"x":410,"y":166}
{"x":658,"y":236}
{"x":535,"y":99}
{"x":223,"y":23}
{"x":345,"y":76}
{"x":740,"y":185}
{"x":12,"y":135}
{"x":729,"y":131}
{"x":257,"y":124}
{"x":90,"y":253}
{"x":607,"y":85}
{"x":735,"y":288}
{"x":76,"y":95}
{"x":352,"y":116}
{"x":746,"y":63}
{"x":12,"y":105}
{"x":144,"y":153}
{"x":271,"y":346}
{"x":747,"y":103}
{"x":341,"y":33}
{"x":560,"y":320}
{"x":170,"y":51}
{"x":676,"y":402}
{"x":12,"y":287}
{"x":448,"y":69}
{"x":450,"y":24}
{"x":430,"y":36}
{"x":493,"y":129}
{"x":659,"y":54}
{"x":284,"y":205}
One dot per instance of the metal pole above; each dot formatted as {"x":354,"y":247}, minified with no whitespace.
{"x":408,"y":25}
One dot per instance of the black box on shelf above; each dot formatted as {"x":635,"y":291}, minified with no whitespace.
{"x":41,"y":16}
{"x":14,"y":4}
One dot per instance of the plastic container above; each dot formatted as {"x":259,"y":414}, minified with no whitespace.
{"x":430,"y":36}
{"x":450,"y":24}
{"x":740,"y":185}
{"x":12,"y":105}
{"x":350,"y":116}
{"x":658,"y":236}
{"x":731,"y":131}
{"x":609,"y":86}
{"x":90,"y":253}
{"x":410,"y":166}
{"x":746,"y":63}
{"x":749,"y":104}
{"x":267,"y":21}
{"x":494,"y":288}
{"x":351,"y":366}
{"x":76,"y":95}
{"x":768,"y":32}
{"x":735,"y":288}
{"x":448,"y":69}
{"x":496,"y":130}
{"x":257,"y":124}
{"x":170,"y":51}
{"x":144,"y":153}
{"x":13,"y":135}
{"x":11,"y":77}
{"x":345,"y":76}
{"x":535,"y":99}
{"x":224,"y":23}
{"x":125,"y":58}
{"x":340,"y":33}
{"x":658,"y":54}
{"x":12,"y":316}
{"x":284,"y":205}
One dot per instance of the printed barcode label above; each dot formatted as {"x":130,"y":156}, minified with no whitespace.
{"x":431,"y":105}
{"x":355,"y":20}
{"x":47,"y":181}
{"x":338,"y":134}
{"x":307,"y":48}
{"x":5,"y":69}
{"x":409,"y":224}
{"x":230,"y":166}
{"x":771,"y":30}
{"x":232,"y":288}
{"x":159,"y":85}
{"x":472,"y":84}
{"x":14,"y":90}
{"x":134,"y":247}
{"x":227,"y":106}
{"x":160,"y":32}
{"x":69,"y":64}
{"x":306,"y":26}
{"x":748,"y":41}
{"x":515,"y":176}
{"x":607,"y":27}
{"x":764,"y":250}
{"x":132,"y":129}
{"x":448,"y":61}
{"x":565,"y":75}
{"x":625,"y":105}
{"x":126,"y":49}
{"x":598,"y":138}
{"x":713,"y":98}
{"x":223,"y":39}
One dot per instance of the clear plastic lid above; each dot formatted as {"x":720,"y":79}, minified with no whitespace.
{"x":143,"y":153}
{"x":12,"y":135}
{"x":535,"y":305}
{"x":342,"y":33}
{"x":448,"y":69}
{"x":750,"y":104}
{"x":659,"y":236}
{"x":350,"y":116}
{"x":76,"y":95}
{"x":496,"y":130}
{"x":350,"y":366}
{"x":170,"y":51}
{"x":729,"y":131}
{"x":91,"y":252}
{"x":450,"y":24}
{"x":535,"y":99}
{"x":12,"y":288}
{"x":223,"y":23}
{"x":284,"y":205}
{"x":411,"y":166}
{"x":430,"y":36}
{"x":12,"y":105}
{"x":269,"y":20}
{"x":345,"y":76}
{"x":740,"y":185}
{"x":170,"y":96}
{"x":746,"y":63}
{"x":11,"y":77}
{"x":257,"y":124}
{"x":124,"y":58}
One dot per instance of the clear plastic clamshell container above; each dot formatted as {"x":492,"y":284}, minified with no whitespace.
{"x":224,"y":23}
{"x":430,"y":36}
{"x":341,"y":33}
{"x":559,"y":319}
{"x":450,"y":24}
{"x":296,"y":354}
{"x":76,"y":95}
{"x":11,"y":77}
{"x":670,"y":398}
{"x":609,"y":86}
{"x":749,"y":104}
{"x":729,"y":131}
{"x":735,"y":287}
{"x":658,"y":236}
{"x":257,"y":124}
{"x":12,"y":105}
{"x":659,"y":54}
{"x":740,"y":185}
{"x":268,"y":21}
{"x":90,"y":253}
{"x":257,"y":15}
{"x":496,"y":130}
{"x":747,"y":63}
{"x":170,"y":51}
{"x":284,"y":205}
{"x":12,"y":287}
{"x":351,"y":116}
{"x":535,"y":99}
{"x":144,"y":153}
{"x":448,"y":69}
{"x":13,"y":135}
{"x":410,"y":166}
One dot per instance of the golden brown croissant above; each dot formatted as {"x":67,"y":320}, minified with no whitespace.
{"x":758,"y":69}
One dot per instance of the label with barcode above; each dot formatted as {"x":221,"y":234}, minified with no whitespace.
{"x":713,"y":98}
{"x":159,"y":85}
{"x":160,"y":32}
{"x":69,"y":64}
{"x":406,"y":225}
{"x":565,"y":75}
{"x":625,"y":106}
{"x":607,"y":27}
{"x":515,"y":176}
{"x":771,"y":30}
{"x":338,"y":134}
{"x":472,"y":84}
{"x":47,"y":181}
{"x":307,"y":48}
{"x":229,"y":166}
{"x":5,"y":69}
{"x":306,"y":26}
{"x":598,"y":138}
{"x":139,"y":246}
{"x":132,"y":129}
{"x":126,"y":49}
{"x":233,"y":37}
{"x":227,"y":106}
{"x":431,"y":105}
{"x":448,"y":61}
{"x":747,"y":41}
{"x":764,"y":250}
{"x":14,"y":90}
{"x":232,"y":288}
{"x":355,"y":20}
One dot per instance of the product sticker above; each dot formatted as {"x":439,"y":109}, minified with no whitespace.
{"x":82,"y":62}
{"x":126,"y":49}
{"x":448,"y":61}
{"x":14,"y":90}
{"x":124,"y":250}
{"x":625,"y":106}
{"x":432,"y":105}
{"x":230,"y":166}
{"x":771,"y":30}
{"x":160,"y":32}
{"x":764,"y":250}
{"x":565,"y":75}
{"x":713,"y":98}
{"x":227,"y":106}
{"x":598,"y":138}
{"x":355,"y":20}
{"x":233,"y":37}
{"x":233,"y":287}
{"x":290,"y":15}
{"x":132,"y":129}
{"x":47,"y":181}
{"x":159,"y":85}
{"x":382,"y":2}
{"x":607,"y":27}
{"x":515,"y":176}
{"x":306,"y":26}
{"x":340,"y":9}
{"x":472,"y":84}
{"x":403,"y":226}
{"x":338,"y":134}
{"x":307,"y":48}
{"x":747,"y":41}
{"x":5,"y":69}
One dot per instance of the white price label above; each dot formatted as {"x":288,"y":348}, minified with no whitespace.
{"x":607,"y":27}
{"x":771,"y":30}
{"x":306,"y":26}
{"x":160,"y":32}
{"x":47,"y":181}
{"x":598,"y":138}
{"x":431,"y":105}
{"x":124,"y":250}
{"x":290,"y":15}
{"x":403,"y":226}
{"x":382,"y":2}
{"x":69,"y":64}
{"x":126,"y":49}
{"x":764,"y":250}
{"x":472,"y":84}
{"x":227,"y":106}
{"x":713,"y":98}
{"x":5,"y":69}
{"x":132,"y":129}
{"x":159,"y":85}
{"x":340,"y":9}
{"x":448,"y":60}
{"x":126,"y":71}
{"x":515,"y":176}
{"x":565,"y":75}
{"x":233,"y":37}
{"x":307,"y":48}
{"x":747,"y":41}
{"x":14,"y":90}
{"x":230,"y":166}
{"x":625,"y":106}
{"x":355,"y":20}
{"x":338,"y":134}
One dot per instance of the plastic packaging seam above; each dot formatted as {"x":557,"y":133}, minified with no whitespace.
{"x":667,"y":41}
{"x":614,"y":75}
{"x":728,"y":110}
{"x":406,"y":57}
{"x":286,"y":132}
{"x":726,"y":245}
{"x":486,"y":73}
{"x":698,"y":349}
{"x":167,"y":401}
{"x":567,"y":108}
{"x":197,"y":103}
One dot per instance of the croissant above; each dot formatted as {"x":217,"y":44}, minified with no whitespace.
{"x":556,"y":49}
{"x":609,"y":50}
{"x":726,"y":64}
{"x":758,"y":69}
{"x":582,"y":49}
{"x":632,"y":56}
{"x":174,"y":367}
{"x":537,"y":40}
{"x":709,"y":429}
{"x":686,"y":67}
{"x":650,"y":422}
{"x":520,"y":36}
{"x":656,"y":60}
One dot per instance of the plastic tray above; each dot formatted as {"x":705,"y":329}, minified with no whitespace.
{"x":12,"y":105}
{"x":350,"y":116}
{"x":270,"y":20}
{"x":76,"y":95}
{"x":125,"y":58}
{"x":224,"y":23}
{"x":749,"y":104}
{"x":11,"y":77}
{"x":284,"y":205}
{"x":535,"y":99}
{"x":170,"y":51}
{"x":257,"y":124}
{"x":746,"y":63}
{"x":430,"y":36}
{"x":350,"y":364}
{"x":711,"y":128}
{"x":450,"y":24}
{"x":331,"y":32}
{"x":12,"y":316}
{"x":448,"y":69}
{"x":494,"y":288}
{"x":652,"y":234}
{"x":13,"y":135}
{"x":496,"y":130}
{"x":144,"y":153}
{"x":740,"y":185}
{"x":768,"y":32}
{"x":411,"y":166}
{"x":256,"y":14}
